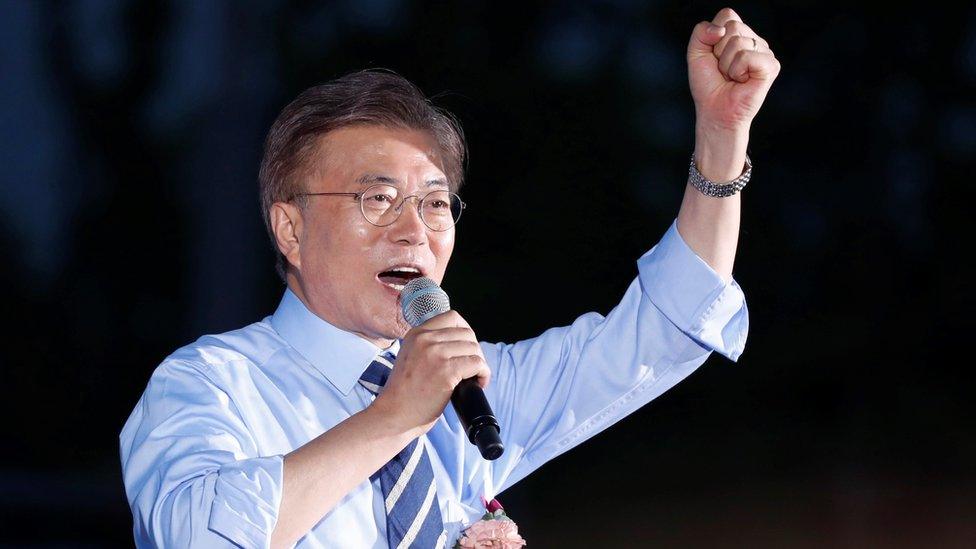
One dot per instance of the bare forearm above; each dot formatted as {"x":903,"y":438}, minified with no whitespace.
{"x":323,"y":471}
{"x":710,"y":225}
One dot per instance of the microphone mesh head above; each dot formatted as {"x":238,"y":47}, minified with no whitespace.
{"x":421,"y":299}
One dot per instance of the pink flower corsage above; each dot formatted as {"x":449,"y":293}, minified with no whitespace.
{"x":494,"y":529}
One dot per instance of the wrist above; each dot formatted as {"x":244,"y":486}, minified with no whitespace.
{"x":720,"y":131}
{"x":719,"y":154}
{"x":384,"y":411}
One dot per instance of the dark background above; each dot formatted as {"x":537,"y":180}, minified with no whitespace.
{"x":130,"y":140}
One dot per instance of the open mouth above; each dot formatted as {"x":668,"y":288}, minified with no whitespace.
{"x":397,"y":277}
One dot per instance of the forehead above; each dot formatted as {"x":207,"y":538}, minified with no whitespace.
{"x":353,"y":151}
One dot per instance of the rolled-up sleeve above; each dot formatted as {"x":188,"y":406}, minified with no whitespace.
{"x":693,"y":296}
{"x":191,"y":470}
{"x":556,"y":390}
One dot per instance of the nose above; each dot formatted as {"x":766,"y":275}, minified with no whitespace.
{"x":409,"y":228}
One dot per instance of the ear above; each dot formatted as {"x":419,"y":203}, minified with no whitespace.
{"x":286,"y":222}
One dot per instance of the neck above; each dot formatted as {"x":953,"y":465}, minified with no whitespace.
{"x":296,"y":287}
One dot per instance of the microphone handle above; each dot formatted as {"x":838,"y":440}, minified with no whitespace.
{"x":476,"y":417}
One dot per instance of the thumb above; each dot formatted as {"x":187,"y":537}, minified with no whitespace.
{"x":704,"y":37}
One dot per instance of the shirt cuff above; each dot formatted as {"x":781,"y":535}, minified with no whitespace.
{"x":247,"y":499}
{"x":693,"y":296}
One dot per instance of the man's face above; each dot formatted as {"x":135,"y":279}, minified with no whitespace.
{"x":342,"y":254}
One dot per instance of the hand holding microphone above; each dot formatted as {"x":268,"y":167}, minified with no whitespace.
{"x":441,"y":359}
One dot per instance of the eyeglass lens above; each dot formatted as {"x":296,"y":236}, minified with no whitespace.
{"x":439,"y":210}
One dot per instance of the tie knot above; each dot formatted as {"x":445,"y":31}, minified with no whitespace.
{"x":378,"y":371}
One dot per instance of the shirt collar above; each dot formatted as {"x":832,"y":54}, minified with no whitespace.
{"x":339,"y":355}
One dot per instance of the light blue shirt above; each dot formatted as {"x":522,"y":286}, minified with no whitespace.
{"x":202,"y":451}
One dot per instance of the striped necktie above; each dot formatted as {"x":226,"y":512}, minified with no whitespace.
{"x":413,"y":516}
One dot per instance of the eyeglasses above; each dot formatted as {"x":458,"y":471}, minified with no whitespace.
{"x":439,"y":210}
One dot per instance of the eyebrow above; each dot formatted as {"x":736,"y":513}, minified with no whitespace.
{"x":369,"y":179}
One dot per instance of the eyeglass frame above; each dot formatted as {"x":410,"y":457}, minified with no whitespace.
{"x":358,"y":197}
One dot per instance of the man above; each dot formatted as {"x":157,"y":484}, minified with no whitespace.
{"x":276,"y":434}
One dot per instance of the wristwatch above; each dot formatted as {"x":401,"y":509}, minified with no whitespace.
{"x":720,"y":190}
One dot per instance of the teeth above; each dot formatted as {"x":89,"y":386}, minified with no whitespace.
{"x":401,"y":269}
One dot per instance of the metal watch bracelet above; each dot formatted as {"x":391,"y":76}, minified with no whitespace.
{"x":720,"y":190}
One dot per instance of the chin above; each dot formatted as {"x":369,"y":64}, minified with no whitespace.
{"x":402,"y":327}
{"x":390,"y":326}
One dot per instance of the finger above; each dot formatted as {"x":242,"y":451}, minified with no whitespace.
{"x":484,"y":375}
{"x":725,"y":15}
{"x":737,"y":45}
{"x":450,"y":349}
{"x":450,"y":334}
{"x":704,"y":37}
{"x":738,"y":28}
{"x":470,"y":366}
{"x":447,"y":319}
{"x":467,"y":366}
{"x":750,"y":65}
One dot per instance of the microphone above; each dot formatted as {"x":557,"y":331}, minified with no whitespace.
{"x":420,"y":300}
